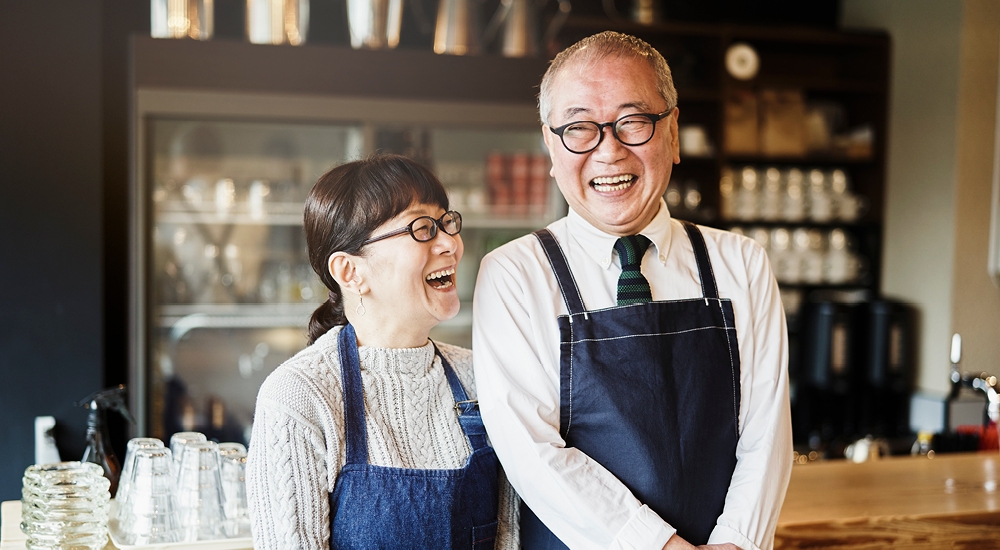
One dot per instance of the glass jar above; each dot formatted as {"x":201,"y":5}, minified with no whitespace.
{"x":65,"y":505}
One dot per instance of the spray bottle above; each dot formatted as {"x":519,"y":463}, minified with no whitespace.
{"x":99,"y":449}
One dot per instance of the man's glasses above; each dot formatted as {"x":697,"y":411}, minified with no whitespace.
{"x":584,"y":136}
{"x":425,"y":228}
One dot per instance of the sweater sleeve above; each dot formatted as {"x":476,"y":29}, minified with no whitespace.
{"x":287,"y":479}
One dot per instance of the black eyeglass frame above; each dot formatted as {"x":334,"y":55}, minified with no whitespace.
{"x":435,"y":225}
{"x":654,"y":118}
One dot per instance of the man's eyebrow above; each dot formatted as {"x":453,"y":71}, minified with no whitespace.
{"x":640,"y":106}
{"x":573,"y":111}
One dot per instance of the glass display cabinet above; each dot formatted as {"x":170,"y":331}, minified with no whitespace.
{"x":222,"y":287}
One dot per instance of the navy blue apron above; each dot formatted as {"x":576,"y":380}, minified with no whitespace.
{"x":651,"y":392}
{"x":383,"y":507}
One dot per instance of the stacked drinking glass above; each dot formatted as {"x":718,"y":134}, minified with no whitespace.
{"x":147,"y":508}
{"x":233,"y":466}
{"x":192,"y":491}
{"x":65,"y":505}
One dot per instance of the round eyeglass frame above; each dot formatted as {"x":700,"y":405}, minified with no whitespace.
{"x":654,"y":118}
{"x":435,"y":225}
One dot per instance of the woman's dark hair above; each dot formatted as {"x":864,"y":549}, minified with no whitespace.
{"x":350,"y":202}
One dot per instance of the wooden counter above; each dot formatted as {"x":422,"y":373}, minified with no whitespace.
{"x":950,"y":501}
{"x":905,"y":502}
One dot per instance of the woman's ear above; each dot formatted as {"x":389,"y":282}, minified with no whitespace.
{"x":344,"y":268}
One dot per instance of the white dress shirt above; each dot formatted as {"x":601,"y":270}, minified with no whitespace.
{"x":516,"y":359}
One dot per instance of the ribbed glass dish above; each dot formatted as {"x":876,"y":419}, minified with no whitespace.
{"x":64,"y":506}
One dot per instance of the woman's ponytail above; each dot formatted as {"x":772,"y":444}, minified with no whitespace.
{"x":328,"y":315}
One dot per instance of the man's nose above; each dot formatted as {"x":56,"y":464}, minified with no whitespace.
{"x":610,"y":150}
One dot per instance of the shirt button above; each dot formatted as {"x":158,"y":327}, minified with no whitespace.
{"x":605,"y":262}
{"x":663,"y":259}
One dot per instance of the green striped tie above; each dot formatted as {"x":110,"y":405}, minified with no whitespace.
{"x":633,"y":288}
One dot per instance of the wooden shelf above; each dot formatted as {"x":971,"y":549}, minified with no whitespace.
{"x":332,"y":71}
{"x":807,"y":160}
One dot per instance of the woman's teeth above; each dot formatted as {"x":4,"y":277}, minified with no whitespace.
{"x":607,"y":184}
{"x":441,"y":279}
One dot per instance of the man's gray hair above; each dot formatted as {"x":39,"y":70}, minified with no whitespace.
{"x":597,"y":47}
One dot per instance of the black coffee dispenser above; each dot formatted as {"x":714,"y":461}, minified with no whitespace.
{"x":854,"y":374}
{"x":827,"y":373}
{"x":886,"y":355}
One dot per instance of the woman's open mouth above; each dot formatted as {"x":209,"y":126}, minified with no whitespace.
{"x":607,"y":184}
{"x":442,"y":279}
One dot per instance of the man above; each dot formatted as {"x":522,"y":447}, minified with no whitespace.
{"x":624,"y":422}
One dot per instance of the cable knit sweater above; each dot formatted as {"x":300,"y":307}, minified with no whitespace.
{"x":297,"y":446}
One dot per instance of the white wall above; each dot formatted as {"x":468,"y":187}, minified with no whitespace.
{"x":975,"y":299}
{"x":918,"y":260}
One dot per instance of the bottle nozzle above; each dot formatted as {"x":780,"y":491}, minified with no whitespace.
{"x":111,"y":398}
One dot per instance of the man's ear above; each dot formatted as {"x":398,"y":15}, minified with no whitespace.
{"x":345,"y":269}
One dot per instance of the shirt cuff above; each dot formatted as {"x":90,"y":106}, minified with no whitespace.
{"x":644,"y":530}
{"x":722,"y":534}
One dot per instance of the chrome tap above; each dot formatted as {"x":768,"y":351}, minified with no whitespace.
{"x":986,"y":383}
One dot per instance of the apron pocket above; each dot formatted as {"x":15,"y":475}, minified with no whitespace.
{"x":483,"y":536}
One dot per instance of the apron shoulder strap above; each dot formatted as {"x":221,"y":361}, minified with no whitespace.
{"x":557,"y":259}
{"x":708,"y":287}
{"x":467,"y":409}
{"x":355,"y":429}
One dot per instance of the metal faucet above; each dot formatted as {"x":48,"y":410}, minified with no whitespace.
{"x":986,"y":383}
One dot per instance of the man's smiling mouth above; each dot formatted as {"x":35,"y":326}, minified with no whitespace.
{"x":607,"y":184}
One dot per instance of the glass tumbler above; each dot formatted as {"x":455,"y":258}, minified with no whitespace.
{"x":178,"y":442}
{"x":65,"y":505}
{"x":124,"y":484}
{"x":232,"y":470}
{"x":199,"y":493}
{"x":149,"y":513}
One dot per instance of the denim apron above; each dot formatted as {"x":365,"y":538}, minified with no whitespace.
{"x":383,"y":507}
{"x":651,"y":392}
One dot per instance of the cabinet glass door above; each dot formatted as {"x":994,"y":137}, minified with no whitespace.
{"x":231,"y":289}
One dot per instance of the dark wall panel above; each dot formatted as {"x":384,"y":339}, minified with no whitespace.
{"x":51,"y":337}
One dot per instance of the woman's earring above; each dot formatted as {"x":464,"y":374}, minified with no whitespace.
{"x":360,"y":310}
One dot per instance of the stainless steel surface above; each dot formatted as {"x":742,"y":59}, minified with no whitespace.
{"x":277,"y":21}
{"x":182,"y":19}
{"x":519,"y":20}
{"x":458,"y":31}
{"x":374,"y":24}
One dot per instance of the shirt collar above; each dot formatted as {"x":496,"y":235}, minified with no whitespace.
{"x":599,"y":245}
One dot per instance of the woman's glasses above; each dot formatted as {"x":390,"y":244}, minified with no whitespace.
{"x":425,"y":228}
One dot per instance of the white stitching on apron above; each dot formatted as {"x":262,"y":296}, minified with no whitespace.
{"x":732,"y":367}
{"x":569,"y":422}
{"x":657,"y":334}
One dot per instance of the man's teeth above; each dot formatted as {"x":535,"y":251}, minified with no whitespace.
{"x":612,"y":183}
{"x":440,"y":275}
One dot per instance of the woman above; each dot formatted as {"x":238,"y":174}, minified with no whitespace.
{"x":370,"y":437}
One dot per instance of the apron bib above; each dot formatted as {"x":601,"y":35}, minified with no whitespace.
{"x":383,"y":507}
{"x":651,"y":392}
